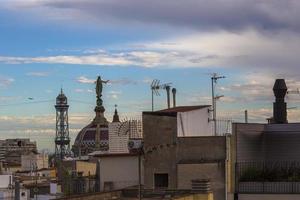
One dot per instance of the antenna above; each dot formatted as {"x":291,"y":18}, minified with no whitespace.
{"x":155,"y":87}
{"x":214,"y":79}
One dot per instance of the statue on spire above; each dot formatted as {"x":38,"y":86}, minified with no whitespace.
{"x":99,"y":87}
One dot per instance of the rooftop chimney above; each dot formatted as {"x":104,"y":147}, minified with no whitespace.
{"x":279,"y":106}
{"x":168,"y":95}
{"x":174,"y":97}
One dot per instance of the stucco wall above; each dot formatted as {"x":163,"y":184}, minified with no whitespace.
{"x":194,"y":123}
{"x":122,"y":171}
{"x":160,"y":148}
{"x":87,"y":168}
{"x":212,"y":171}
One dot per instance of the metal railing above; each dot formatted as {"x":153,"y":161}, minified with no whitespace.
{"x":268,"y":177}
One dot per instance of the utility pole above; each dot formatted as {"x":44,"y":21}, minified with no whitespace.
{"x":214,"y":79}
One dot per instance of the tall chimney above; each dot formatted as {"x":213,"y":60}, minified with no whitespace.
{"x":174,"y":97}
{"x":279,"y":106}
{"x":168,"y":95}
{"x":246,"y":116}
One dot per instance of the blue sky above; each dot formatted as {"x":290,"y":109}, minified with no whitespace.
{"x":46,"y":45}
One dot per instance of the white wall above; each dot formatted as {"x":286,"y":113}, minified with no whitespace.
{"x":122,"y":171}
{"x":5,"y":180}
{"x":194,"y":123}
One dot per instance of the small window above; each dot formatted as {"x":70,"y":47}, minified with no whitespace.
{"x":161,"y":180}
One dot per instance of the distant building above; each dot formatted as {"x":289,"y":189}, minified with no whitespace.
{"x":11,"y":151}
{"x":16,"y":145}
{"x":181,"y":153}
{"x":9,"y":190}
{"x":34,"y":161}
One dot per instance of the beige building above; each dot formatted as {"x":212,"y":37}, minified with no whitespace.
{"x":34,"y":161}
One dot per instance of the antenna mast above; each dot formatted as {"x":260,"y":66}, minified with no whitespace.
{"x":155,"y":87}
{"x":214,"y":78}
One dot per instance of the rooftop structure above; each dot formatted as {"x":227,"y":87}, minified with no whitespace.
{"x":181,"y":151}
{"x":266,"y":157}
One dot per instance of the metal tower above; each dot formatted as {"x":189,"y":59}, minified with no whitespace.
{"x":62,"y":139}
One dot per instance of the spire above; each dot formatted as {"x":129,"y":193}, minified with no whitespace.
{"x":116,"y":116}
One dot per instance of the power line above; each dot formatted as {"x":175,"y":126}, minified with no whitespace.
{"x":26,"y":103}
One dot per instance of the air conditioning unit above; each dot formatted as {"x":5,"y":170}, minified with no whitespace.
{"x":135,"y":145}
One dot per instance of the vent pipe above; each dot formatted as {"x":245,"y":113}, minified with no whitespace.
{"x":246,"y":116}
{"x":168,"y":95}
{"x":174,"y":97}
{"x":279,"y":106}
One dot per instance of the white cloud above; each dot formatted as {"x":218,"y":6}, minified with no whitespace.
{"x":83,"y":79}
{"x":114,"y":94}
{"x":39,"y":74}
{"x":79,"y":90}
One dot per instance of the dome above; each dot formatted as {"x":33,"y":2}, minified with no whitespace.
{"x":93,"y":137}
{"x":89,"y":139}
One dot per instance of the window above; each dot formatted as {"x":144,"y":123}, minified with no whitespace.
{"x":161,"y":180}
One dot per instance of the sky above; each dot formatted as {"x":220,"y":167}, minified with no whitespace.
{"x":46,"y":45}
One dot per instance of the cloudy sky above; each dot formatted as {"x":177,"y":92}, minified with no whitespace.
{"x":49,"y":44}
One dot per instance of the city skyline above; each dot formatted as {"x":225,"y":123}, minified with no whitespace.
{"x":49,"y":45}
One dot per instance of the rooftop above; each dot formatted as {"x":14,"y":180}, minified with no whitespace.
{"x":184,"y":108}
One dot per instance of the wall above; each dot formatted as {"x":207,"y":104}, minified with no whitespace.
{"x":202,"y":157}
{"x":282,"y":142}
{"x":189,"y":123}
{"x":249,"y":141}
{"x":121,"y":170}
{"x":5,"y":181}
{"x":212,"y":171}
{"x":167,"y":153}
{"x":87,"y":168}
{"x":94,"y":196}
{"x":208,"y":196}
{"x":160,"y":148}
{"x":40,"y":160}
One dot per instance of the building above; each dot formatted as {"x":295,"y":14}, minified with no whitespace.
{"x":10,"y":190}
{"x":11,"y":151}
{"x":34,"y":161}
{"x":15,"y":145}
{"x":266,"y":157}
{"x":180,"y":151}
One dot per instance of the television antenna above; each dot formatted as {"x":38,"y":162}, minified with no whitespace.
{"x":214,"y":79}
{"x":155,"y":87}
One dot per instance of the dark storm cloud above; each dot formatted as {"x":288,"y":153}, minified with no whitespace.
{"x":198,"y":14}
